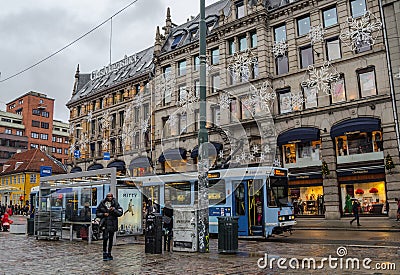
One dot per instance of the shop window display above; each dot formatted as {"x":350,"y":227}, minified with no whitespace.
{"x":371,"y":195}
{"x":302,"y":150}
{"x":359,"y":143}
{"x":307,"y":200}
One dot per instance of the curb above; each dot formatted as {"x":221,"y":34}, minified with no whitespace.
{"x":349,"y":229}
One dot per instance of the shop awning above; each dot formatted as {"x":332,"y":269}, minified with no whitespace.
{"x":76,"y":169}
{"x":95,"y":166}
{"x":119,"y":164}
{"x":140,"y":162}
{"x":364,"y":124}
{"x":212,"y":147}
{"x":303,"y":134}
{"x":173,"y":154}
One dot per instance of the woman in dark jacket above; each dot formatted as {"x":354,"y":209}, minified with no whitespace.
{"x":108,"y":211}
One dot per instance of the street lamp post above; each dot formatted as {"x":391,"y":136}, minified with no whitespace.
{"x":203,"y":221}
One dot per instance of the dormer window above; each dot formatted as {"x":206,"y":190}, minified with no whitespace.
{"x":176,"y":41}
{"x":239,"y":9}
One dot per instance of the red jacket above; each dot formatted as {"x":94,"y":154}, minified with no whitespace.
{"x":6,"y":219}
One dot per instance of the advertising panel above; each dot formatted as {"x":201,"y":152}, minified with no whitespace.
{"x":130,"y":223}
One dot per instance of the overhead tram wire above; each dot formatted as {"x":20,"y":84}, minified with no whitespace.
{"x":69,"y":44}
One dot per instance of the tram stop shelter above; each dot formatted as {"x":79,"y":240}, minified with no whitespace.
{"x":62,"y":196}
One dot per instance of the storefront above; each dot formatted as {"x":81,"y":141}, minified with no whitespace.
{"x":173,"y":160}
{"x":140,"y":166}
{"x":367,"y":185}
{"x":307,"y":194}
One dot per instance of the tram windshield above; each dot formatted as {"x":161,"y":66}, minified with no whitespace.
{"x":278,"y":192}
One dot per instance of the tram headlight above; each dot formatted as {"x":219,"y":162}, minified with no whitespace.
{"x":281,"y":218}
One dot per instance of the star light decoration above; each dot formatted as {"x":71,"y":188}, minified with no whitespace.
{"x":316,"y":34}
{"x":321,"y":78}
{"x":144,"y":125}
{"x":190,"y":101}
{"x":105,"y":144}
{"x":89,"y":116}
{"x":279,"y":48}
{"x":105,"y":120}
{"x":83,"y":142}
{"x":241,"y":63}
{"x":360,"y":32}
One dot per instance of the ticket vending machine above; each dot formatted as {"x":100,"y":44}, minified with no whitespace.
{"x":185,"y":229}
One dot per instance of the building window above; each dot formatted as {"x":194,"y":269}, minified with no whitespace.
{"x":306,"y":56}
{"x":19,"y":133}
{"x":239,"y":9}
{"x":282,"y":64}
{"x":181,"y":67}
{"x":59,"y":139}
{"x":366,"y":82}
{"x":214,"y":56}
{"x":231,"y":45}
{"x":196,"y":120}
{"x":253,"y":37}
{"x":246,"y":110}
{"x":8,"y":131}
{"x":53,"y":149}
{"x":32,"y":178}
{"x":146,"y":111}
{"x":280,"y":33}
{"x":168,"y":91}
{"x":166,"y":130}
{"x":329,"y":16}
{"x":234,"y":110}
{"x":182,"y":93}
{"x":36,"y":112}
{"x":338,"y":91}
{"x":358,"y":8}
{"x":333,"y":51}
{"x":66,"y":152}
{"x":45,"y":114}
{"x":295,"y":152}
{"x":310,"y":97}
{"x":285,"y":101}
{"x":59,"y":150}
{"x":196,"y":60}
{"x":363,"y":46}
{"x":303,"y":25}
{"x":35,"y":123}
{"x":113,"y":121}
{"x":34,"y":135}
{"x":121,"y":118}
{"x":34,"y":146}
{"x":242,"y":43}
{"x":215,"y":82}
{"x":182,"y":123}
{"x":44,"y":136}
{"x":359,"y":143}
{"x":45,"y":125}
{"x":137,"y":114}
{"x":176,"y":41}
{"x":216,"y":115}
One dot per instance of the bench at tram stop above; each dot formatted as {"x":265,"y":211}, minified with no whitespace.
{"x":72,"y":224}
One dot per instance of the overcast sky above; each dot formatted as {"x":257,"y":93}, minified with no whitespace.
{"x":34,"y":29}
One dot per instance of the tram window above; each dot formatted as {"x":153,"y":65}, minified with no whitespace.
{"x":239,"y":200}
{"x":178,"y":193}
{"x":278,"y":192}
{"x":85,"y":195}
{"x":216,"y":191}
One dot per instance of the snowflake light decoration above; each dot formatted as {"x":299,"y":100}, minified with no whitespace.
{"x":241,"y":63}
{"x":84,"y":140}
{"x":251,"y":157}
{"x":224,"y":101}
{"x":267,"y":149}
{"x":221,"y":154}
{"x":106,"y":120}
{"x":265,"y":95}
{"x":255,"y":149}
{"x":277,"y":163}
{"x":105,"y":144}
{"x":71,"y":128}
{"x":360,"y":32}
{"x":297,"y":100}
{"x":262,"y":156}
{"x":189,"y":102}
{"x":243,"y":156}
{"x":172,"y":120}
{"x":165,"y":83}
{"x":144,"y":125}
{"x":316,"y":34}
{"x":72,"y":148}
{"x":89,"y":116}
{"x":321,"y":78}
{"x":138,"y":100}
{"x":279,"y":48}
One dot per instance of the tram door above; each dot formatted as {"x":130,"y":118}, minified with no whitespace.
{"x":249,"y":207}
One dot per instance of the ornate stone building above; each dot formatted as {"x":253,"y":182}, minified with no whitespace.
{"x":301,"y":84}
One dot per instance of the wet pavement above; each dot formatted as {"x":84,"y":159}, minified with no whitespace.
{"x":22,"y":254}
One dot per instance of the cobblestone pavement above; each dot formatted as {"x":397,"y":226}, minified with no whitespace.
{"x":22,"y":254}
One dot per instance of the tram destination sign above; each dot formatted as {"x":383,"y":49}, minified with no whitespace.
{"x":114,"y":67}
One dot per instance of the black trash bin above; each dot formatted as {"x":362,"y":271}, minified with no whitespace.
{"x":153,"y":234}
{"x":228,"y":234}
{"x":30,"y":226}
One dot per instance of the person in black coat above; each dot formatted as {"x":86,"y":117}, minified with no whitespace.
{"x":108,"y":211}
{"x":356,"y":206}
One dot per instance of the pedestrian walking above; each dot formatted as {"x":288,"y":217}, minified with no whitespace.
{"x":356,"y":209}
{"x":168,"y":214}
{"x":108,"y":211}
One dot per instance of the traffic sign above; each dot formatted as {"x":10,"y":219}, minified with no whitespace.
{"x":77,"y":154}
{"x":45,"y":171}
{"x":106,"y":156}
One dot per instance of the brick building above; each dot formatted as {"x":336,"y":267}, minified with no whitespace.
{"x":37,"y":111}
{"x":12,"y":136}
